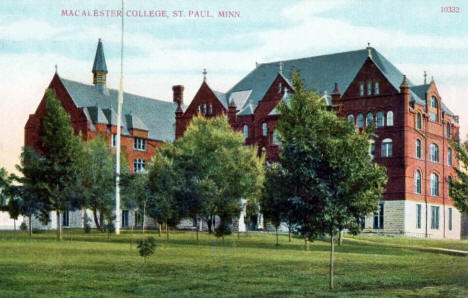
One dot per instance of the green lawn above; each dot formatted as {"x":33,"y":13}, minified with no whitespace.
{"x":92,"y":265}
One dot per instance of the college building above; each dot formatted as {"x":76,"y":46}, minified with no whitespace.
{"x":413,"y":127}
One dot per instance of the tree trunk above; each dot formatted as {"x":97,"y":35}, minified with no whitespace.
{"x":30,"y":226}
{"x":167,"y":232}
{"x":305,"y":243}
{"x":196,"y":228}
{"x":331,"y":260}
{"x":210,"y":223}
{"x":143,"y":224}
{"x":289,"y":234}
{"x":340,"y":239}
{"x":96,"y":221}
{"x":59,"y":227}
{"x":14,"y":225}
{"x":277,"y":243}
{"x":160,"y":228}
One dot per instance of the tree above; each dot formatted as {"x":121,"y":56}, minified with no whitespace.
{"x":137,"y":193}
{"x":14,"y":210}
{"x":96,"y":179}
{"x":458,"y":187}
{"x":30,"y":187}
{"x":332,"y":180}
{"x":219,"y":165}
{"x":4,"y":183}
{"x":146,"y":248}
{"x":60,"y":148}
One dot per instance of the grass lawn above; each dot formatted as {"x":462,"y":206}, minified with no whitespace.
{"x":91,"y":265}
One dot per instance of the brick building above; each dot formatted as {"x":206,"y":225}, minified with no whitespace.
{"x":413,"y":129}
{"x":146,"y":122}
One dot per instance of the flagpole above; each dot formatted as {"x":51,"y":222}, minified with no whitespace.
{"x":119,"y":115}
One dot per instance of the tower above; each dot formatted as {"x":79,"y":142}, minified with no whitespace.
{"x":100,"y":69}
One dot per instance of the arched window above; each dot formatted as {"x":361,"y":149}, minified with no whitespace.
{"x":280,"y":87}
{"x":360,"y":120}
{"x":369,"y":88}
{"x":276,"y":140}
{"x":264,"y":129}
{"x":434,"y":153}
{"x":417,"y":182}
{"x":449,"y":156}
{"x":380,"y":119}
{"x":369,"y":119}
{"x":204,"y":109}
{"x":434,"y":103}
{"x":390,"y":118}
{"x":387,"y":148}
{"x":372,"y":148}
{"x":418,"y":121}
{"x":448,"y":130}
{"x":361,"y":89}
{"x":418,"y":149}
{"x":211,"y":108}
{"x":376,"y":88}
{"x":434,"y":185}
{"x":351,"y":119}
{"x":245,"y":131}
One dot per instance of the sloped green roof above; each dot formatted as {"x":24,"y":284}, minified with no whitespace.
{"x":156,"y":116}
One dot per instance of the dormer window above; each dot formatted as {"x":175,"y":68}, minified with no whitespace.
{"x":434,"y":109}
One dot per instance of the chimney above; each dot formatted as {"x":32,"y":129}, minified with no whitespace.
{"x":178,"y":94}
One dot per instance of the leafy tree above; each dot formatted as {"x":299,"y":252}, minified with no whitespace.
{"x":4,"y":183}
{"x":137,"y":193}
{"x":458,"y":187}
{"x":60,"y":148}
{"x":14,"y":209}
{"x":96,"y":177}
{"x":219,"y":164}
{"x":332,"y":180}
{"x":30,"y":188}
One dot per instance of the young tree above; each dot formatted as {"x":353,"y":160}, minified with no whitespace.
{"x":4,"y":183}
{"x":458,"y":187}
{"x":60,"y":148}
{"x":332,"y":180}
{"x":136,"y":193}
{"x":221,"y":165}
{"x":14,"y":209}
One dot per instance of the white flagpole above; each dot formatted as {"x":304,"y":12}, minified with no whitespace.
{"x":117,"y":151}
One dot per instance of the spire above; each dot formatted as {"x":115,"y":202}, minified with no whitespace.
{"x":369,"y":50}
{"x":100,"y":69}
{"x":204,"y":74}
{"x":56,"y":69}
{"x":425,"y":78}
{"x":99,"y":60}
{"x":232,"y":104}
{"x":281,"y":65}
{"x":336,"y":90}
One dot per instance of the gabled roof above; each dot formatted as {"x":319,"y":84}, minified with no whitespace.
{"x":99,"y":59}
{"x":156,"y":116}
{"x":420,"y":98}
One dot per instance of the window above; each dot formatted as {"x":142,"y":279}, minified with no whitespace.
{"x":380,"y":119}
{"x":418,"y":216}
{"x":435,"y":217}
{"x":434,"y":153}
{"x":113,"y":140}
{"x":264,"y":129}
{"x":434,"y":185}
{"x":376,"y":88}
{"x":379,"y":217}
{"x":66,"y":218}
{"x":447,"y":130}
{"x":369,"y":88}
{"x":372,"y":148}
{"x":200,"y":108}
{"x":245,"y":131}
{"x":138,"y":165}
{"x":418,"y":121}
{"x":276,"y":140}
{"x":450,"y":218}
{"x":387,"y":148}
{"x":204,"y":108}
{"x":124,"y":218}
{"x":360,"y":120}
{"x":139,"y":144}
{"x":280,"y":87}
{"x":449,"y":156}
{"x":389,"y":118}
{"x":433,"y":116}
{"x":434,"y":103}
{"x":361,"y":89}
{"x":211,"y":108}
{"x":369,"y":119}
{"x":417,"y":182}
{"x":351,"y":119}
{"x":418,"y":149}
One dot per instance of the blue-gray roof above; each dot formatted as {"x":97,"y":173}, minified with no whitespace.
{"x":420,"y":98}
{"x":99,"y":60}
{"x":156,"y":116}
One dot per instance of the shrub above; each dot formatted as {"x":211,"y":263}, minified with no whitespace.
{"x":23,"y":227}
{"x":146,"y":247}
